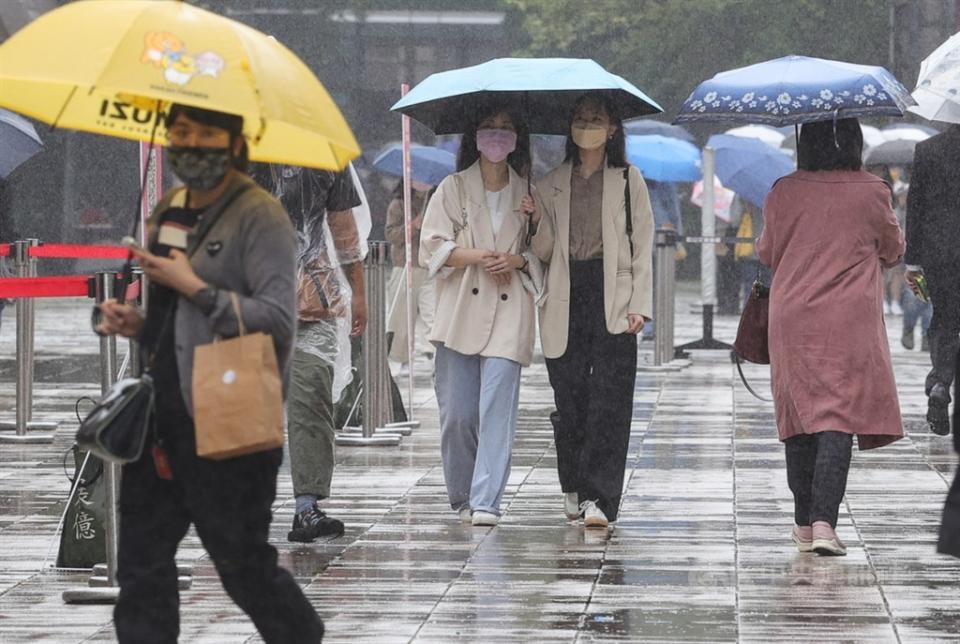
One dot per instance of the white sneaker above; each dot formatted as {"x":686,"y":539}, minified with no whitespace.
{"x":895,"y":308}
{"x":484,"y":519}
{"x":593,"y":517}
{"x":464,"y":513}
{"x":571,"y":507}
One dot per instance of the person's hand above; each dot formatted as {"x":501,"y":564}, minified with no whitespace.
{"x":502,"y":279}
{"x":721,"y":250}
{"x":358,"y":315}
{"x":635,"y":323}
{"x":911,"y":277}
{"x":481,"y":256}
{"x":174,"y":272}
{"x":120,"y":319}
{"x":529,"y":207}
{"x":503,"y":263}
{"x":681,"y":253}
{"x":417,"y":222}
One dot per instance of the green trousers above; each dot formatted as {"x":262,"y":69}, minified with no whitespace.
{"x":310,"y":429}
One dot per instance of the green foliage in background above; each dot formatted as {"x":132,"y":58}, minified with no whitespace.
{"x":667,"y":47}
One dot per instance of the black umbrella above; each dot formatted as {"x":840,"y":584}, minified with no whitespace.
{"x":643,"y":127}
{"x":899,"y":152}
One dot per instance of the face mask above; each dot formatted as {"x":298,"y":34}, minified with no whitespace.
{"x":496,"y":145}
{"x":199,"y":168}
{"x":589,"y":138}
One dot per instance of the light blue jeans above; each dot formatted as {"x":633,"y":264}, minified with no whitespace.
{"x":478,"y":399}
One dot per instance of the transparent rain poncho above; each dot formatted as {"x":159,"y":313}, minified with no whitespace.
{"x":325,"y":246}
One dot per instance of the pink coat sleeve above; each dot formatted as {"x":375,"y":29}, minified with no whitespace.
{"x":890,"y":239}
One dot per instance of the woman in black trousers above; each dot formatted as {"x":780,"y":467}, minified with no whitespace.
{"x":596,"y":232}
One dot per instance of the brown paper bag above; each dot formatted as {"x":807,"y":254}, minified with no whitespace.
{"x":237,"y":395}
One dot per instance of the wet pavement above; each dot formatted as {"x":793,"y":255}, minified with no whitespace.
{"x":701,"y":552}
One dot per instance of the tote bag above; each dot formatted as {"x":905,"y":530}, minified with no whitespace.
{"x":237,"y":395}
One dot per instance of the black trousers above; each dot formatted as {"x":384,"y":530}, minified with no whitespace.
{"x":944,"y":333}
{"x":593,"y":383}
{"x":229,"y":502}
{"x":817,"y":467}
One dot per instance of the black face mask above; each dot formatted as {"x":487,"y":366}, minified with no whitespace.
{"x":199,"y":168}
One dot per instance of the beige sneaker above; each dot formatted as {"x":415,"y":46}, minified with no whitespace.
{"x":486,"y":519}
{"x":593,"y":517}
{"x":571,"y":505}
{"x":464,"y":513}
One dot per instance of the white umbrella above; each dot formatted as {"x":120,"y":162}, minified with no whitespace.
{"x":906,"y":132}
{"x":872,"y":136}
{"x":937,"y":86}
{"x":767,"y":134}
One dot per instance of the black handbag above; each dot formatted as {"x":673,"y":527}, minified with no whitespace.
{"x":116,"y":429}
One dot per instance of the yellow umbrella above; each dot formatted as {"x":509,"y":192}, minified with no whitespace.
{"x":106,"y":66}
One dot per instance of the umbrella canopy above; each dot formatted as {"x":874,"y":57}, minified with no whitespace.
{"x":748,"y":167}
{"x":662,"y":158}
{"x":768,"y":135}
{"x":644,"y":127}
{"x":105,"y":66}
{"x":938,"y":85}
{"x":429,"y":165}
{"x":722,"y":198}
{"x":544,"y":89}
{"x":18,"y":141}
{"x":872,"y":136}
{"x":896,"y":152}
{"x":796,"y":89}
{"x":907,"y":132}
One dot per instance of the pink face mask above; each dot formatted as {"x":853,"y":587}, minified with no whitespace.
{"x":496,"y":145}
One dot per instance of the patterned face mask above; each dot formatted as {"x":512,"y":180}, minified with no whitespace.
{"x":199,"y":168}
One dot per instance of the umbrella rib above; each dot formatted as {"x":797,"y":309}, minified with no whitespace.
{"x":63,"y":108}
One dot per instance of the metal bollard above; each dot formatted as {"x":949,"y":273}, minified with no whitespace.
{"x":26,"y":266}
{"x":377,"y":405}
{"x":103,"y":586}
{"x":666,"y":244}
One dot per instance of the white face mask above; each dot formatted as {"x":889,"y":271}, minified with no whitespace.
{"x":589,"y":138}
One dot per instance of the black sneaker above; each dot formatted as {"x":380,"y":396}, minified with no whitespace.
{"x":938,"y":415}
{"x":906,"y":339}
{"x":313,"y":523}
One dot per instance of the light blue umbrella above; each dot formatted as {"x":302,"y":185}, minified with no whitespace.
{"x":428,"y":165}
{"x":543,"y":89}
{"x":662,"y":158}
{"x":796,"y":89}
{"x":749,"y":167}
{"x":649,"y":126}
{"x":18,"y":141}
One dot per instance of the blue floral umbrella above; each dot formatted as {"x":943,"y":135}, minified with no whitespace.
{"x":747,"y":166}
{"x":794,"y":90}
{"x":663,"y":158}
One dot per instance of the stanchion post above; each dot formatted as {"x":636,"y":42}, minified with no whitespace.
{"x":26,"y":266}
{"x":375,"y":383}
{"x":666,"y":242}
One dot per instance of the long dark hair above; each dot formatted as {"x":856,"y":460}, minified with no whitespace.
{"x":616,"y":146}
{"x":824,"y":146}
{"x":519,"y":159}
{"x":232,"y":123}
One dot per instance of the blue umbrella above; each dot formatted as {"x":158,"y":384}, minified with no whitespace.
{"x":796,"y":89}
{"x":747,"y":166}
{"x":18,"y":141}
{"x":662,"y":158}
{"x":428,"y":165}
{"x":649,"y":126}
{"x":544,"y":89}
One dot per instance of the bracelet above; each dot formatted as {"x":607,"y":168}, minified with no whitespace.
{"x":526,"y":262}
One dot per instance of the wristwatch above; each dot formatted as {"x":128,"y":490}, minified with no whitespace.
{"x":205,"y":299}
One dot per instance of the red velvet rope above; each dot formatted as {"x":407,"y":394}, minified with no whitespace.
{"x":66,"y":286}
{"x":76,"y":251}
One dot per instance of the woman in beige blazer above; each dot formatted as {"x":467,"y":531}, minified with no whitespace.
{"x":598,"y":296}
{"x":473,"y":242}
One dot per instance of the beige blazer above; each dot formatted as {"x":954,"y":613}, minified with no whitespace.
{"x":474,"y":316}
{"x":627,"y":281}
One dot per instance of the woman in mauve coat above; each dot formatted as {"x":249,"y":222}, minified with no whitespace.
{"x":829,"y":230}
